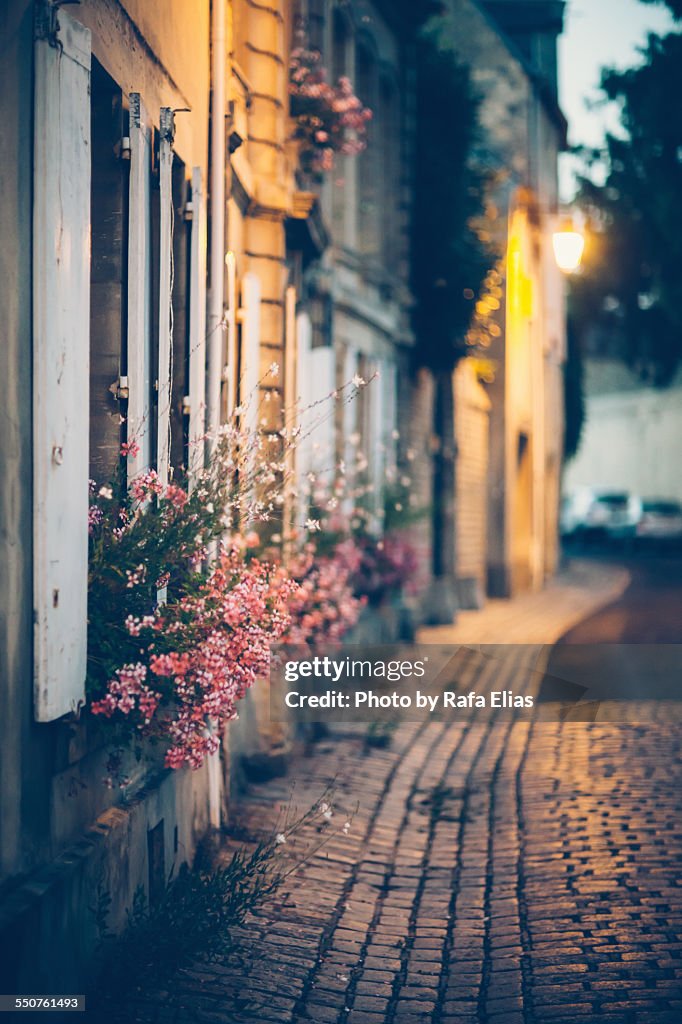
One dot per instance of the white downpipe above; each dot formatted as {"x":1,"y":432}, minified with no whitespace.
{"x":216,"y":293}
{"x":216,"y":296}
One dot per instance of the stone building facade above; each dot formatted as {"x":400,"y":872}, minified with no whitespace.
{"x":88,"y":97}
{"x":510,"y":48}
{"x":168,"y":248}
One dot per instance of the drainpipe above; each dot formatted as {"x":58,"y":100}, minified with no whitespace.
{"x":216,"y":299}
{"x":217,"y":213}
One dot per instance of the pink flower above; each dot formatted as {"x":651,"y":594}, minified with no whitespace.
{"x":177,"y":496}
{"x":130,"y":449}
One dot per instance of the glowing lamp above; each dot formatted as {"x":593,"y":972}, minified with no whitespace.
{"x":569,"y":246}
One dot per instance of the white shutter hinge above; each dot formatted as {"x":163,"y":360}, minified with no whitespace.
{"x":120,"y":389}
{"x":45,"y":18}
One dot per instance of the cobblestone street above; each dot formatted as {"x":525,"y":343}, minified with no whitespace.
{"x":502,"y":871}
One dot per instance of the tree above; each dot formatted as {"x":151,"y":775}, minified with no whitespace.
{"x":574,"y":393}
{"x":632,"y":284}
{"x":449,"y":260}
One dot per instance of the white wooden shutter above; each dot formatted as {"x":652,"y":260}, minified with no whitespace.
{"x":377,"y":433}
{"x":389,"y":388}
{"x":303,"y":395}
{"x":350,"y":417}
{"x":250,"y":368}
{"x":61,"y":315}
{"x":290,"y":351}
{"x":322,"y":375}
{"x":231,"y":366}
{"x":197,"y":327}
{"x":139,"y":287}
{"x":166,"y":135}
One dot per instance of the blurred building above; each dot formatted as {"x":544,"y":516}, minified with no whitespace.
{"x":630,"y":439}
{"x":511,"y":50}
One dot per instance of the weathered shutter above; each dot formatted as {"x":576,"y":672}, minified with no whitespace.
{"x":250,"y":363}
{"x":303,"y":395}
{"x":380,"y":430}
{"x":289,"y":394}
{"x":61,"y":314}
{"x":197,"y":327}
{"x":139,"y":287}
{"x":316,"y":380}
{"x":231,"y":367}
{"x":350,"y":416}
{"x":322,"y":372}
{"x":389,"y":388}
{"x":166,"y":135}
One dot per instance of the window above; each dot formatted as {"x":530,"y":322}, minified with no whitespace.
{"x":369,"y":181}
{"x":108,"y":275}
{"x":182,"y":236}
{"x":389,"y":156}
{"x":315,"y":22}
{"x":340,"y":190}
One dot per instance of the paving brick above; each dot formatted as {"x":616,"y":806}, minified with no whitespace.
{"x":545,"y":889}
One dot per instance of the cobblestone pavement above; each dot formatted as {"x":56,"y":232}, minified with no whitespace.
{"x":502,"y":871}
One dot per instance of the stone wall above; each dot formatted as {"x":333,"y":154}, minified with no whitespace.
{"x":472,"y":413}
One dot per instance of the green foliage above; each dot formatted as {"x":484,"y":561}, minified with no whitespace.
{"x":380,"y":733}
{"x":400,"y":510}
{"x":193,"y":919}
{"x":574,"y":395}
{"x":450,"y":260}
{"x":631,"y":288}
{"x":196,"y":915}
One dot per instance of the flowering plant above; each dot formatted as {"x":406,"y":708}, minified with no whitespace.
{"x":173,"y":641}
{"x":376,"y":567}
{"x":366,"y":536}
{"x":198,"y":656}
{"x":324,"y":606}
{"x":174,"y":645}
{"x":329,"y":118}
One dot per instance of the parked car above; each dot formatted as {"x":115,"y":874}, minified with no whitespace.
{"x":615,"y":515}
{"x":608,"y":515}
{"x":574,"y":509}
{"x":660,"y":522}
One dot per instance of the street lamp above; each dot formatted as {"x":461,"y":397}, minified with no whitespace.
{"x":569,"y":246}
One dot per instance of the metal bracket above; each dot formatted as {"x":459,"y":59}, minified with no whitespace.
{"x":167,"y":124}
{"x":120,"y":389}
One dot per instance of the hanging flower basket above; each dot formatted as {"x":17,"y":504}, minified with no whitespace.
{"x":330,"y":119}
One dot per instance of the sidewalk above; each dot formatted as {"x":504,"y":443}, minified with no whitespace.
{"x":501,"y":871}
{"x":538,"y":618}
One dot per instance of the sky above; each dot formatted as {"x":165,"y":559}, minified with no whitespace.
{"x":598,"y":33}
